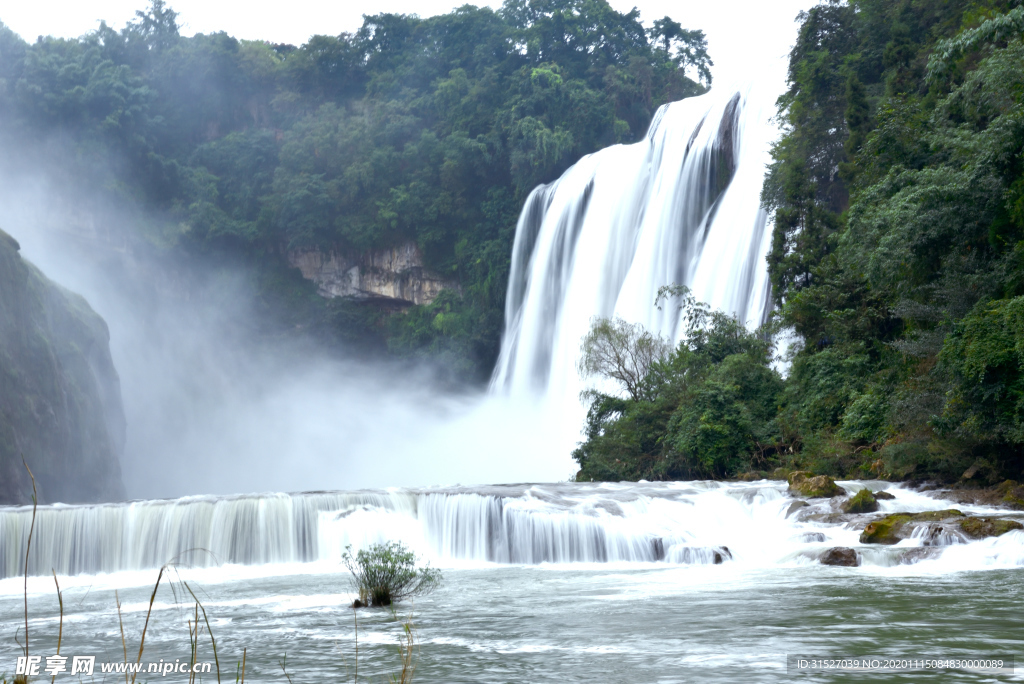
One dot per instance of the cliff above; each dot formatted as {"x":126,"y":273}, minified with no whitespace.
{"x":395,"y":275}
{"x":60,"y":396}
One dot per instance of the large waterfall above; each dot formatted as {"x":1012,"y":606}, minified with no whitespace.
{"x":682,"y":206}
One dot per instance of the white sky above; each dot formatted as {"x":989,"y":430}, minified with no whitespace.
{"x":744,"y":36}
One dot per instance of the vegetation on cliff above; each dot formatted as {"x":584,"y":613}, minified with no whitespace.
{"x":60,"y":397}
{"x":427,"y":130}
{"x":897,"y":258}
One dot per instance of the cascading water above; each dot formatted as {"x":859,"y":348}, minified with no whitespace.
{"x":682,"y":206}
{"x":752,"y":524}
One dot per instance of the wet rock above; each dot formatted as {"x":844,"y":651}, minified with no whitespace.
{"x":812,"y":538}
{"x":840,"y":555}
{"x":883,"y":496}
{"x":861,"y":502}
{"x":892,"y":528}
{"x":722,"y":554}
{"x":358,"y":604}
{"x":813,"y":487}
{"x":796,"y":506}
{"x":979,"y":528}
{"x":916,"y":555}
{"x":1009,"y":494}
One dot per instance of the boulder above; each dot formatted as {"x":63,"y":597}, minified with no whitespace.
{"x":813,"y":487}
{"x":861,"y":502}
{"x":722,"y":554}
{"x":840,"y":555}
{"x":979,"y":528}
{"x":796,"y":506}
{"x":892,"y":528}
{"x":883,"y":496}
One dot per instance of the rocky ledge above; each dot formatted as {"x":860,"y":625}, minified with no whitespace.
{"x":396,"y":276}
{"x":934,"y":527}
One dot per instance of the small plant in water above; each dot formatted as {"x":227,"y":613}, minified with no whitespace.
{"x":387,"y":573}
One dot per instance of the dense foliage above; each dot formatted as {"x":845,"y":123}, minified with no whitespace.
{"x":897,"y":264}
{"x":899,"y":235}
{"x":705,"y":410}
{"x":427,"y":130}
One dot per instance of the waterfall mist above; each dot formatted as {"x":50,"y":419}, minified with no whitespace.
{"x":215,"y":405}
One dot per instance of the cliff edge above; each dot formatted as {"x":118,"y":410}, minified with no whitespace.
{"x":60,"y":396}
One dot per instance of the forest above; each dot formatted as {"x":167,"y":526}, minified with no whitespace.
{"x":897,"y":270}
{"x":425,"y":130}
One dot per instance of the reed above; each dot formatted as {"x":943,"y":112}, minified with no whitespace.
{"x":60,"y":629}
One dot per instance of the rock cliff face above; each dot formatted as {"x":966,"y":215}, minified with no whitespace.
{"x":60,"y":396}
{"x":395,"y":274}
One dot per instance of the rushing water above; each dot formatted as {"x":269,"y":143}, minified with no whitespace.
{"x":682,"y":206}
{"x":567,"y":582}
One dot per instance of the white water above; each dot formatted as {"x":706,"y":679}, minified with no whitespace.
{"x":680,"y":207}
{"x":674,"y":523}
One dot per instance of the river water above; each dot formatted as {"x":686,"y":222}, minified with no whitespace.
{"x":522,"y":617}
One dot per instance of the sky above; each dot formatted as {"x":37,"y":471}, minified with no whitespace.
{"x":744,"y":36}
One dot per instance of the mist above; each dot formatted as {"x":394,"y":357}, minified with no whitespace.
{"x":214,"y":406}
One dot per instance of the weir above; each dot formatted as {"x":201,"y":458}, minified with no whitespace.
{"x":680,"y":207}
{"x":678,"y":523}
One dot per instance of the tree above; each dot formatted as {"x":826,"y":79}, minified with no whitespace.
{"x":622,"y":351}
{"x":387,"y":573}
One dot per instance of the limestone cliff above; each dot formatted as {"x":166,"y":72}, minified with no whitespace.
{"x":60,"y":396}
{"x":395,"y":274}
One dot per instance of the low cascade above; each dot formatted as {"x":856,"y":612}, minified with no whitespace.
{"x":675,"y":523}
{"x":682,"y":206}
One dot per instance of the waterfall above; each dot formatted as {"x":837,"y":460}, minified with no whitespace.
{"x":682,"y":206}
{"x":683,"y":523}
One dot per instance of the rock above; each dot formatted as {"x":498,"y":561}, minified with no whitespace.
{"x":892,"y":528}
{"x":814,"y":487}
{"x":840,"y":555}
{"x":358,"y":604}
{"x":861,"y":502}
{"x":1008,"y":493}
{"x":395,"y":275}
{"x":749,"y":476}
{"x":722,"y":554}
{"x":780,"y":474}
{"x":798,"y":476}
{"x":883,"y":496}
{"x":979,"y":528}
{"x":916,"y":555}
{"x":60,"y":395}
{"x":812,"y":537}
{"x":796,"y":506}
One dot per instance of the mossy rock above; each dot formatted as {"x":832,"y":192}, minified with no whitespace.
{"x":1012,"y":493}
{"x":814,"y":487}
{"x":796,"y":475}
{"x":889,"y":530}
{"x":883,"y":496}
{"x":780,"y":474}
{"x":861,"y":502}
{"x":749,"y":477}
{"x":979,"y":528}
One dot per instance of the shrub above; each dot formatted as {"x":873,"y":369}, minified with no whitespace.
{"x":387,"y":573}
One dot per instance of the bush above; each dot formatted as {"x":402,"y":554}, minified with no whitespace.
{"x":387,"y":573}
